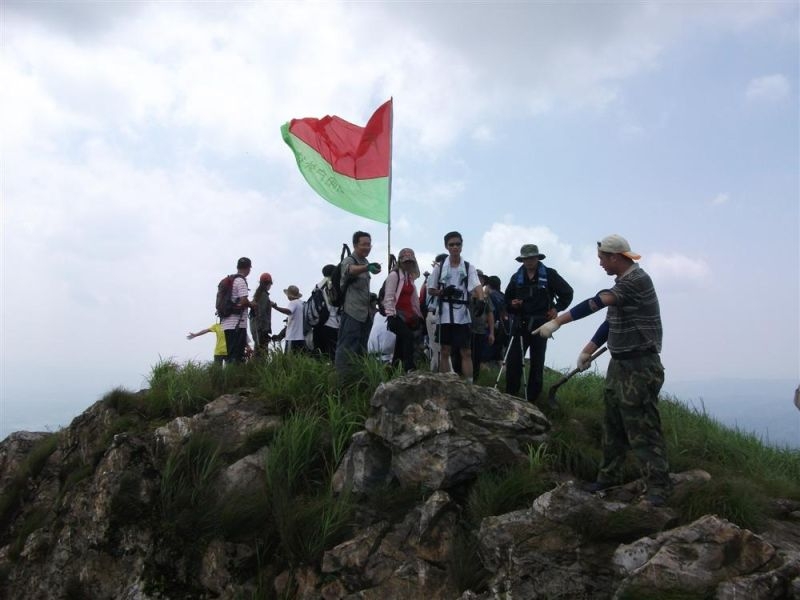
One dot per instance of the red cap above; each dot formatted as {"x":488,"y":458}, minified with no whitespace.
{"x":265,"y":278}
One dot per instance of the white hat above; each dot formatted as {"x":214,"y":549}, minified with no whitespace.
{"x":616,"y":244}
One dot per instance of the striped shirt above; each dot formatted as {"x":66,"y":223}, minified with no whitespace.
{"x":635,"y":320}
{"x":238,"y":292}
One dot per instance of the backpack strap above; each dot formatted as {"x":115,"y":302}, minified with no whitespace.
{"x":343,"y":286}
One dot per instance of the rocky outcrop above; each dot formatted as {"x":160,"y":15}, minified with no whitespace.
{"x":93,"y":519}
{"x":437,"y":431}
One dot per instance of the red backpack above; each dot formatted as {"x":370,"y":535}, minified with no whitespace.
{"x":225,"y":305}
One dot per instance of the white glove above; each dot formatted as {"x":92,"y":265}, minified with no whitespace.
{"x":548,"y":329}
{"x":584,"y":361}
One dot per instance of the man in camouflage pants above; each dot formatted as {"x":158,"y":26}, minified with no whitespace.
{"x":635,"y":374}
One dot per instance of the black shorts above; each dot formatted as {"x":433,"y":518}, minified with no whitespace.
{"x":455,"y":335}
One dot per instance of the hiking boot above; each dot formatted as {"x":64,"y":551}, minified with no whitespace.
{"x":596,"y":486}
{"x":656,"y":500}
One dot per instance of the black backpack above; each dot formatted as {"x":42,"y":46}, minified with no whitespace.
{"x":336,"y":292}
{"x":382,"y":291}
{"x":315,"y":310}
{"x":225,"y":306}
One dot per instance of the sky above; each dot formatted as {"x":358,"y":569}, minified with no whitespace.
{"x":141,"y":156}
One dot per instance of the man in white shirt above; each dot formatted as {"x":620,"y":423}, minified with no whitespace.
{"x":295,"y":340}
{"x":451,"y":283}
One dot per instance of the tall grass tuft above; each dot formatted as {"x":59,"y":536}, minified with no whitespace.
{"x":123,"y":401}
{"x":738,"y":500}
{"x":308,"y":525}
{"x":187,"y":499}
{"x":293,"y":382}
{"x":342,"y":421}
{"x":15,"y":490}
{"x":307,"y":516}
{"x":465,"y":565}
{"x":177,"y":390}
{"x":498,"y":492}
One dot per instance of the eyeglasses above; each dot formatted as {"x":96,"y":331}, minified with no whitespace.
{"x":454,"y":245}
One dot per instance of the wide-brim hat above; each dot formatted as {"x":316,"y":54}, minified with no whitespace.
{"x":530,"y":251}
{"x":293,"y":292}
{"x":616,"y":244}
{"x":408,"y":262}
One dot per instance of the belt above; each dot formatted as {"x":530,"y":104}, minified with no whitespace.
{"x":632,"y":354}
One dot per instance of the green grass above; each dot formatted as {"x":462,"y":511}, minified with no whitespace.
{"x":293,"y":382}
{"x":32,"y":521}
{"x":177,"y":390}
{"x":745,"y":472}
{"x":294,"y":517}
{"x":506,"y":490}
{"x":186,"y":493}
{"x":14,"y":491}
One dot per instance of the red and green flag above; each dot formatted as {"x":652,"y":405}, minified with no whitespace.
{"x":348,"y":165}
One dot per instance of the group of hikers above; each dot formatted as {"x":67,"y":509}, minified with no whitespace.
{"x":463,"y":319}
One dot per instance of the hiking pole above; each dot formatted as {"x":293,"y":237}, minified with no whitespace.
{"x":504,"y":364}
{"x":525,"y":368}
{"x":551,"y":395}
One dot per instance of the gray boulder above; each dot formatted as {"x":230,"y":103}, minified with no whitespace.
{"x":437,"y":431}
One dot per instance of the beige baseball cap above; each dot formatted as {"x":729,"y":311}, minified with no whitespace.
{"x":616,"y":244}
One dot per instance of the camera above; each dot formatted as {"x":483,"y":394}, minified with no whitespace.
{"x":451,"y":292}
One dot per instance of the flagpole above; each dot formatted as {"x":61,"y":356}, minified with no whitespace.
{"x":389,"y":220}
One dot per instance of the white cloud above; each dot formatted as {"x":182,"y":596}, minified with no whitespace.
{"x":483,"y":133}
{"x":721,"y":198}
{"x":769,"y":88}
{"x":142,"y":152}
{"x":501,"y":244}
{"x":677,"y":272}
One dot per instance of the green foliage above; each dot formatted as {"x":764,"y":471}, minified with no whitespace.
{"x":292,"y":381}
{"x":74,"y":590}
{"x":256,"y":440}
{"x":122,"y":424}
{"x":295,"y":517}
{"x":499,"y":492}
{"x":308,"y":525}
{"x":32,"y":521}
{"x":294,"y":463}
{"x":177,"y":390}
{"x":127,"y":506}
{"x":123,"y":401}
{"x":648,"y":593}
{"x":393,"y":502}
{"x":696,"y":440}
{"x":574,"y":452}
{"x":465,"y":565}
{"x":70,"y":475}
{"x":342,"y":422}
{"x":39,"y":454}
{"x":372,"y":372}
{"x":738,"y":500}
{"x":307,"y":516}
{"x":187,"y":501}
{"x":243,"y":516}
{"x":622,"y":526}
{"x":14,"y":491}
